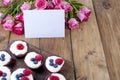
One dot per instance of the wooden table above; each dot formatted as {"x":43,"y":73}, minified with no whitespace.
{"x":93,"y":49}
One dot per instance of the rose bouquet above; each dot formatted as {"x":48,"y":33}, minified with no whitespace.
{"x":11,"y":18}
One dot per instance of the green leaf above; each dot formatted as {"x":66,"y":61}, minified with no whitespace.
{"x":71,"y":14}
{"x":78,"y":4}
{"x":67,"y":0}
{"x":73,"y":1}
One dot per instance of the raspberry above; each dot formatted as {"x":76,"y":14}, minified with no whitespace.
{"x":54,"y":78}
{"x":59,"y":61}
{"x":20,"y":46}
{"x":27,"y":72}
{"x":38,"y":57}
{"x":1,"y":73}
{"x":24,"y":78}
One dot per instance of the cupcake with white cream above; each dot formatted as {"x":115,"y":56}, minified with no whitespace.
{"x":54,"y":63}
{"x":22,"y":74}
{"x":5,"y":73}
{"x":19,"y":48}
{"x":5,"y":58}
{"x":33,"y":60}
{"x":56,"y":76}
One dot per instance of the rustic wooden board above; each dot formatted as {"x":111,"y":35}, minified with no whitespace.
{"x":40,"y":73}
{"x":90,"y":63}
{"x":108,"y":17}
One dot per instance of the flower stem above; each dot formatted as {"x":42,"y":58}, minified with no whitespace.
{"x":76,"y":10}
{"x":2,"y":6}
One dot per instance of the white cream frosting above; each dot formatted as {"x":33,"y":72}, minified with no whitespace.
{"x":7,"y":58}
{"x":20,"y":70}
{"x":51,"y":68}
{"x":15,"y":51}
{"x":60,"y":76}
{"x":7,"y":71}
{"x":28,"y":61}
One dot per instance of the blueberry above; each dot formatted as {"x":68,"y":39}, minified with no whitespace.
{"x":2,"y":55}
{"x":20,"y":75}
{"x":51,"y":60}
{"x":17,"y":76}
{"x":2,"y":59}
{"x":4,"y":74}
{"x":3,"y":79}
{"x":55,"y":65}
{"x":32,"y":59}
{"x":51,"y":64}
{"x":35,"y":62}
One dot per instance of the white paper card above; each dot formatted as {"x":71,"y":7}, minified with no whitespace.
{"x":44,"y":23}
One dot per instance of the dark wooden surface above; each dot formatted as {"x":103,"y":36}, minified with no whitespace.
{"x":93,"y":49}
{"x":41,"y":73}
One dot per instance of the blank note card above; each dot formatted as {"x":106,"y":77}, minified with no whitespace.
{"x":44,"y":23}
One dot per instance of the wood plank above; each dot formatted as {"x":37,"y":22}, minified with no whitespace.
{"x":108,"y":21}
{"x":89,"y":59}
{"x":61,"y":47}
{"x":33,"y":41}
{"x":4,"y":38}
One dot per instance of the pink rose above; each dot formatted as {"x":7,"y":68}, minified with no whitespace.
{"x":66,"y":6}
{"x":73,"y":23}
{"x":8,"y":25}
{"x":82,"y":16}
{"x":18,"y":29}
{"x":40,"y":4}
{"x":25,"y":6}
{"x":8,"y":17}
{"x":7,"y":2}
{"x":50,"y":5}
{"x":19,"y":17}
{"x":58,"y":7}
{"x":86,"y":11}
{"x":57,"y":2}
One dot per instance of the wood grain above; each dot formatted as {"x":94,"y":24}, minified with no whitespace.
{"x":33,"y":41}
{"x":109,"y":25}
{"x":90,"y":63}
{"x":4,"y":38}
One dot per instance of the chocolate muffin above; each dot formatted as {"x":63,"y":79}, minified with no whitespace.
{"x":19,"y":48}
{"x":5,"y":73}
{"x":22,"y":74}
{"x":54,"y":63}
{"x":56,"y":76}
{"x":33,"y":60}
